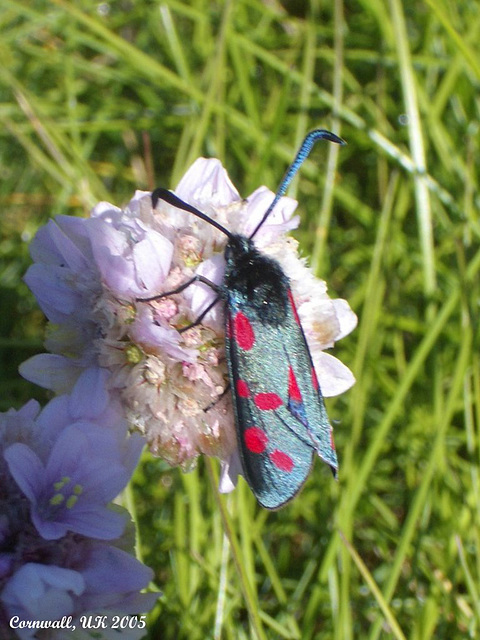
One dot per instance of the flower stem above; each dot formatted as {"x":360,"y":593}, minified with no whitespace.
{"x":250,"y":599}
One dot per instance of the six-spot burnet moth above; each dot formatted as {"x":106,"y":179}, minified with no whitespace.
{"x":280,"y":416}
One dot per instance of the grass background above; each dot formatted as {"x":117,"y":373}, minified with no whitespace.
{"x":98,"y":99}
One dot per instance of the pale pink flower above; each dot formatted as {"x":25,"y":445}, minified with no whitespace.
{"x":171,"y":385}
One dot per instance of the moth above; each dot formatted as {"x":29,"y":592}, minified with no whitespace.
{"x":280,"y":416}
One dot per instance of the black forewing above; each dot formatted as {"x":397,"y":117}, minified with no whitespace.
{"x":280,"y":416}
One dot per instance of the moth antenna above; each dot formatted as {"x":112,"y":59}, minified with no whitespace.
{"x":171,"y":198}
{"x":307,"y":145}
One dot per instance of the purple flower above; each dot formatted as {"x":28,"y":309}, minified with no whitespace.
{"x":95,"y":578}
{"x":149,"y":334}
{"x":60,"y":468}
{"x":41,"y":592}
{"x":72,"y":491}
{"x":52,"y":371}
{"x":66,"y":283}
{"x":131,"y":257}
{"x":113,"y":580}
{"x":72,"y":469}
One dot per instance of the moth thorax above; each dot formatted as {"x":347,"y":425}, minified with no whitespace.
{"x":256,"y":280}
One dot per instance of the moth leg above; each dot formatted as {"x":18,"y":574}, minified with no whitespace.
{"x":217,"y":400}
{"x":201,"y":316}
{"x":197,"y":278}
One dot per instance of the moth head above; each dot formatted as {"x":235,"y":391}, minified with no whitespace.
{"x":237,"y":247}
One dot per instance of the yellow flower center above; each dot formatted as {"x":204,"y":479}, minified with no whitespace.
{"x":64,"y":492}
{"x":133,"y":354}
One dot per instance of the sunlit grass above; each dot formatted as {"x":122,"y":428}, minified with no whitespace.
{"x":97,"y":100}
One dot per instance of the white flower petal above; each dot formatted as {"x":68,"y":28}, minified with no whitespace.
{"x":230,"y":470}
{"x":147,"y":333}
{"x":104,"y":209}
{"x":136,"y":203}
{"x":201,"y":295}
{"x":279,"y":221}
{"x":347,"y":319}
{"x":206,"y":183}
{"x":152,"y":257}
{"x":333,"y":376}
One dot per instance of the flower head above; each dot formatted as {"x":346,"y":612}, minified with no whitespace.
{"x":165,"y":380}
{"x":94,"y":578}
{"x":71,"y":470}
{"x":60,"y":535}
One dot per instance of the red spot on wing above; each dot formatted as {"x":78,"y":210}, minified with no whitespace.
{"x":244,"y":334}
{"x":332,"y":443}
{"x":267,"y":401}
{"x":293,"y":389}
{"x":282,"y":460}
{"x":242,"y":389}
{"x":294,"y":308}
{"x":316,"y":386}
{"x":255,"y":439}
